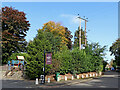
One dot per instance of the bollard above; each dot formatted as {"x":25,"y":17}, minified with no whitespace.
{"x":90,"y":75}
{"x":100,"y":73}
{"x":65,"y":78}
{"x":86,"y":75}
{"x":72,"y":77}
{"x":82,"y":76}
{"x":77,"y":76}
{"x":58,"y":79}
{"x":36,"y":81}
{"x":96,"y":74}
{"x":48,"y":80}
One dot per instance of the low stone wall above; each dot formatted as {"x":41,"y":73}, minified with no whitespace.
{"x":52,"y":77}
{"x":71,"y":77}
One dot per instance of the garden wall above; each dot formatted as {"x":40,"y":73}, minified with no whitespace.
{"x":71,"y":77}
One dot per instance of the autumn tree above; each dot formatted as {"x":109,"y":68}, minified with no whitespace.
{"x":14,"y":30}
{"x":115,"y":50}
{"x":76,"y":37}
{"x":58,"y":30}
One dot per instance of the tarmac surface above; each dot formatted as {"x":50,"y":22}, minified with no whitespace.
{"x":108,"y":80}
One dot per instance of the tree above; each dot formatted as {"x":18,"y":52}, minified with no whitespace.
{"x":76,"y":38}
{"x":69,"y":37}
{"x":65,"y":60}
{"x":58,"y":30}
{"x":115,"y":50}
{"x":43,"y":41}
{"x":0,"y":25}
{"x":97,"y":53}
{"x":14,"y":30}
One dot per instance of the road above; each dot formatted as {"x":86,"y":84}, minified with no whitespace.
{"x":108,"y":80}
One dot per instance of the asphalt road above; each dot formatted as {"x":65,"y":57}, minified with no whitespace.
{"x":109,"y":80}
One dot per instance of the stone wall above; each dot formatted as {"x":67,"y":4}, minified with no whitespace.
{"x":71,"y":77}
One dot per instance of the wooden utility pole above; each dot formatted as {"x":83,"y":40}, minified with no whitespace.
{"x":80,"y":35}
{"x":85,"y":33}
{"x":80,"y":32}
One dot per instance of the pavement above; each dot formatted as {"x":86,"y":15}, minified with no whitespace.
{"x":108,"y":80}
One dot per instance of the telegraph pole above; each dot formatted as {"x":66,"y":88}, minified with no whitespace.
{"x":85,"y":33}
{"x":80,"y":31}
{"x":80,"y":34}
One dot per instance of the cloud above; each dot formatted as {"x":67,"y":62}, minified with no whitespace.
{"x":72,"y":18}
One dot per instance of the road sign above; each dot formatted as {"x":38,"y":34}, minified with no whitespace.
{"x":48,"y":58}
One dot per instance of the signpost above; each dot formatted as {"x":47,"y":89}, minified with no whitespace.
{"x":48,"y":60}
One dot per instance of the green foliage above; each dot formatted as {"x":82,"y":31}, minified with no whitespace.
{"x":69,"y":37}
{"x":80,"y":61}
{"x":64,"y":61}
{"x":104,"y":65}
{"x":114,"y":65}
{"x":43,"y":41}
{"x":76,"y":38}
{"x":97,"y":52}
{"x":34,"y":69}
{"x":14,"y":56}
{"x":115,"y":50}
{"x":58,"y":30}
{"x":65,"y":58}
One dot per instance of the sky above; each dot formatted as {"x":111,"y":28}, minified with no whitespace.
{"x":102,"y":25}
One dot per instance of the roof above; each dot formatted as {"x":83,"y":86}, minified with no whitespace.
{"x":20,"y":57}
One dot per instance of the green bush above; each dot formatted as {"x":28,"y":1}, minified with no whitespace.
{"x":65,"y":59}
{"x":78,"y":61}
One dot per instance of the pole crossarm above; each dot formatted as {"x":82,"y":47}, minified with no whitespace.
{"x":82,"y":19}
